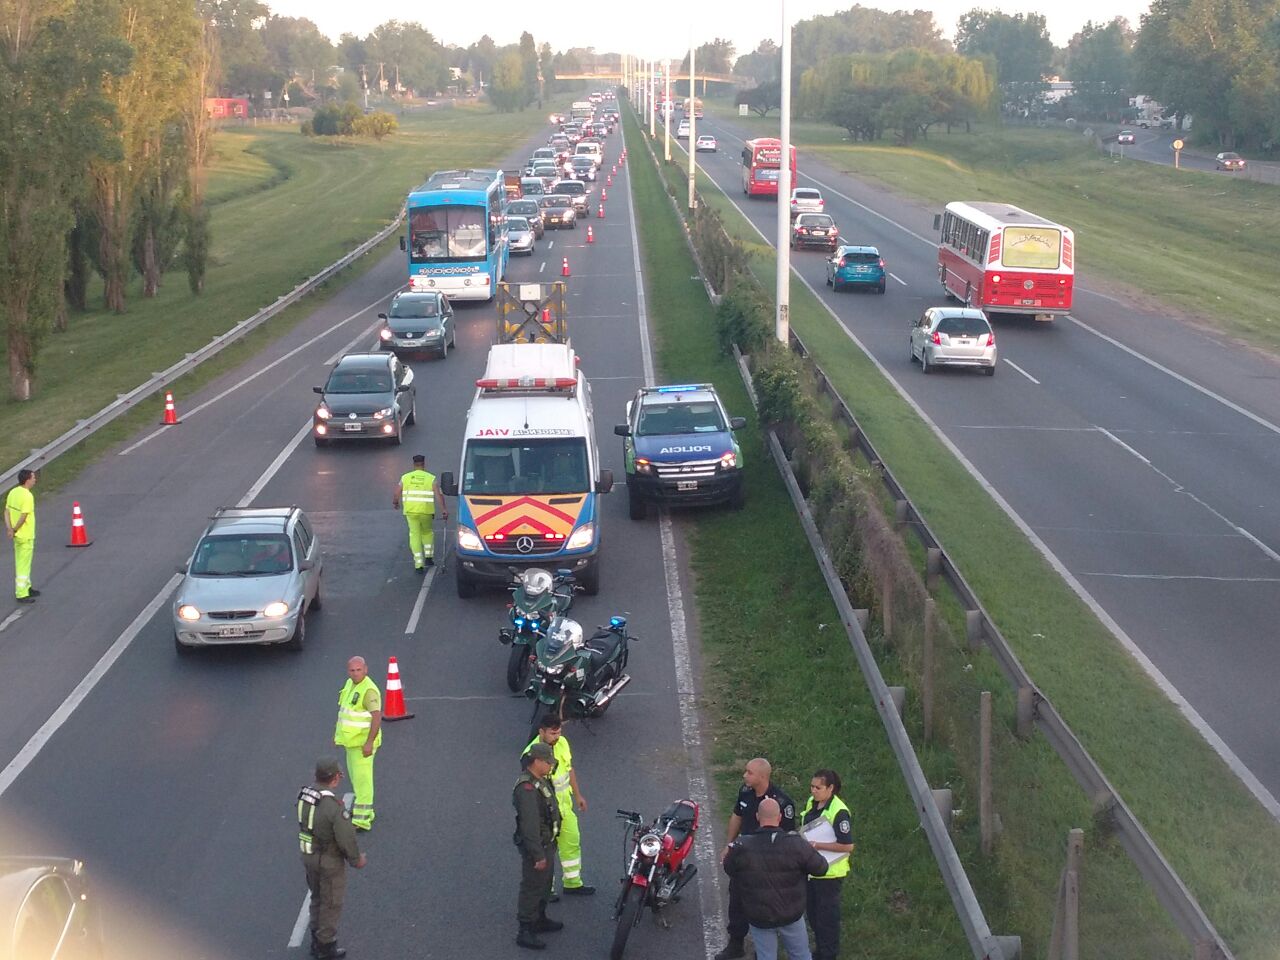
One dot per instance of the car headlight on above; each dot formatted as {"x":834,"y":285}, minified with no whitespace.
{"x":276,"y":608}
{"x":650,"y":846}
{"x":322,"y":412}
{"x":385,"y":333}
{"x":643,"y":465}
{"x":584,"y":536}
{"x":467,"y":539}
{"x":384,"y":412}
{"x":188,"y":612}
{"x":729,"y":461}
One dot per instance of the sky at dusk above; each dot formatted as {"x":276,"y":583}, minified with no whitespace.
{"x":656,"y":28}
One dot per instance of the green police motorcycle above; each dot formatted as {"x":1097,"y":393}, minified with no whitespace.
{"x":576,"y":678}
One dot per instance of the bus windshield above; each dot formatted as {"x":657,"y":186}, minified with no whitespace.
{"x":506,"y":467}
{"x":1033,"y":248}
{"x":447,"y":234}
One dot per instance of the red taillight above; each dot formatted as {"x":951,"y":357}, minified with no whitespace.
{"x":937,"y":338}
{"x":881,"y":263}
{"x":801,"y":230}
{"x":991,"y":339}
{"x":1062,"y":282}
{"x":844,"y":262}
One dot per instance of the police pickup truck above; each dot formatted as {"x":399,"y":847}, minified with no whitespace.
{"x":679,"y":448}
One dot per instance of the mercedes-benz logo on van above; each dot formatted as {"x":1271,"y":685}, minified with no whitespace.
{"x":524,"y":544}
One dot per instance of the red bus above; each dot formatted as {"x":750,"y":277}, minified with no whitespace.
{"x":1002,"y":259}
{"x":761,"y":166}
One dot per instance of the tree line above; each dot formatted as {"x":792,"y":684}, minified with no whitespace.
{"x":1216,"y":60}
{"x":104,"y":139}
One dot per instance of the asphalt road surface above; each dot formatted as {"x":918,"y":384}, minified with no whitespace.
{"x":1156,"y":146}
{"x":1141,"y":451}
{"x":175,"y":777}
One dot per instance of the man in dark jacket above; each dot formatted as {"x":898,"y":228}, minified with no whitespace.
{"x":771,"y":870}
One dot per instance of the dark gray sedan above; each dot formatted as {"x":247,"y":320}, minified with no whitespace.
{"x":417,"y":322}
{"x":368,"y":396}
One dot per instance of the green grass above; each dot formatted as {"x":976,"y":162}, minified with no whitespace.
{"x":780,"y":680}
{"x":1224,"y":846}
{"x":284,"y":207}
{"x":1198,"y":241}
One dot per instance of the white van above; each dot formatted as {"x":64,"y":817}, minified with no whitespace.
{"x":529,"y":483}
{"x":592,"y":149}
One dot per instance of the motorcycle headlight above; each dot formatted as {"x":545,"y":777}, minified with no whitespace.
{"x":277,"y":608}
{"x":467,"y":539}
{"x":554,"y":670}
{"x":650,"y":845}
{"x":384,"y":412}
{"x":583,"y":537}
{"x":323,"y":412}
{"x":188,"y":612}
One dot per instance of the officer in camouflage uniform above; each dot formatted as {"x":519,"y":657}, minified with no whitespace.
{"x":537,"y":825}
{"x":328,"y":843}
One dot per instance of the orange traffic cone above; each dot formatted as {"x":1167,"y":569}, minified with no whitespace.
{"x":600,"y":212}
{"x":608,"y":181}
{"x":79,"y":538}
{"x":564,"y":267}
{"x":604,"y":194}
{"x":170,"y":414}
{"x":590,"y":238}
{"x":615,"y":169}
{"x":393,"y":709}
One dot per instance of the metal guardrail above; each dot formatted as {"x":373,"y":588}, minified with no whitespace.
{"x":127,"y":401}
{"x":1164,"y":881}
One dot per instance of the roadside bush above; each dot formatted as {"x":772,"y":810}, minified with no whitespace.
{"x":744,"y":317}
{"x":378,"y":124}
{"x":308,"y":128}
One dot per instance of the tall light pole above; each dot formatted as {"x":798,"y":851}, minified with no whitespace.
{"x":666,"y":115}
{"x":653,"y":96}
{"x":692,"y":117}
{"x":782,"y":322}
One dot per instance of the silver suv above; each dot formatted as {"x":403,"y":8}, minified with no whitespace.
{"x":954,"y":337}
{"x":252,"y":579}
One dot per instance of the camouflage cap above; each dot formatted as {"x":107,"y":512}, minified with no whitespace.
{"x":542,"y":751}
{"x":326,"y":769}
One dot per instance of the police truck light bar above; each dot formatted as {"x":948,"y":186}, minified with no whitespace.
{"x":526,"y":383}
{"x":684,"y":388}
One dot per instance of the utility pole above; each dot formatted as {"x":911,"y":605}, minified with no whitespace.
{"x":692,"y":117}
{"x":653,"y":106}
{"x":666,"y":114}
{"x":782,"y":322}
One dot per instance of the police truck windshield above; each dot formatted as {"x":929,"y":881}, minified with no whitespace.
{"x":505,"y":467}
{"x":671,"y":419}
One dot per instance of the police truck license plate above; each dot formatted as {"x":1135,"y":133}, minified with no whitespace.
{"x":686,"y":484}
{"x":351,"y":427}
{"x":231,"y":631}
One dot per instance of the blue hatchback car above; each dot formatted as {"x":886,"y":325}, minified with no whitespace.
{"x":856,"y":266}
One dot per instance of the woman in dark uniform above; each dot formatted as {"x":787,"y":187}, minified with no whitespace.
{"x":824,"y":892}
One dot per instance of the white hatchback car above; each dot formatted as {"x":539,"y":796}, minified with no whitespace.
{"x":953,"y":337}
{"x":806,"y":200}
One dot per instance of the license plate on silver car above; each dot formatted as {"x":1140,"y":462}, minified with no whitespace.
{"x":230,"y":632}
{"x":686,"y":484}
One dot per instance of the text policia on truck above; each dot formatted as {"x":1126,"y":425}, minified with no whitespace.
{"x":456,"y":243}
{"x":530,"y":473}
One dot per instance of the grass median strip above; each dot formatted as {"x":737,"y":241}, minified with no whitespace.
{"x":780,"y":679}
{"x":283,"y":207}
{"x":1224,"y":846}
{"x":1196,"y":240}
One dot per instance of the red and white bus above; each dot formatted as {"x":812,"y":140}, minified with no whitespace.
{"x":1002,"y":259}
{"x":762,"y":165}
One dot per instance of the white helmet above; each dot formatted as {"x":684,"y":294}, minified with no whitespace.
{"x":535,"y":581}
{"x":564,"y":631}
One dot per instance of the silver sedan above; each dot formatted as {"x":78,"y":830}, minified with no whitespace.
{"x":953,"y":337}
{"x":520,"y":236}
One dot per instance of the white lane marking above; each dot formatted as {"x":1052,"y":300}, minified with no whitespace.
{"x":1114,"y":439}
{"x":276,"y":464}
{"x":300,"y":925}
{"x":1021,"y":371}
{"x":550,"y":244}
{"x":430,"y":575}
{"x":10,"y":619}
{"x":352,"y":342}
{"x":542,"y":266}
{"x":1219,"y":746}
{"x":253,"y":376}
{"x":712,"y":916}
{"x":1156,"y":365}
{"x":1180,"y":576}
{"x":898,"y":278}
{"x":82,"y":689}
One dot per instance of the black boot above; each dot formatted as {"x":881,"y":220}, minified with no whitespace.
{"x":545,"y":924}
{"x":325,"y":951}
{"x":734,"y":949}
{"x":527,"y":938}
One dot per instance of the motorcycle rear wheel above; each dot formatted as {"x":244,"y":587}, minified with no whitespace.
{"x":518,"y":667}
{"x":628,"y":919}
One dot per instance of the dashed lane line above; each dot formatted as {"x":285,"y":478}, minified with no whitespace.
{"x":1021,"y":371}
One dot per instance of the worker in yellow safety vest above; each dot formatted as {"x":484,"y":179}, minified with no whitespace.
{"x":359,"y":732}
{"x":20,"y":525}
{"x":564,"y":779}
{"x":823,"y":907}
{"x":418,"y":493}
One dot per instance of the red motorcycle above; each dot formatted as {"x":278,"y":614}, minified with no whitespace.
{"x":656,"y":866}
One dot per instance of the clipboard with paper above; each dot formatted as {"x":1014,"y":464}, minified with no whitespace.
{"x":819,"y":830}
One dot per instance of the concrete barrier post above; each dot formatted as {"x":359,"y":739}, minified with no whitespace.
{"x":899,"y":697}
{"x":900,"y":510}
{"x":1064,"y":940}
{"x":1026,"y":713}
{"x":926,"y":669}
{"x":943,"y":800}
{"x":932,"y":567}
{"x":886,"y":608}
{"x":973,"y":629}
{"x":986,"y":815}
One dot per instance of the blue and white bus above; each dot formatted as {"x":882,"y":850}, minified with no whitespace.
{"x":456,"y":241}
